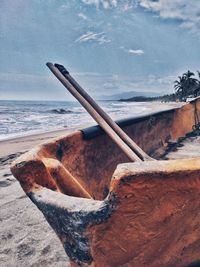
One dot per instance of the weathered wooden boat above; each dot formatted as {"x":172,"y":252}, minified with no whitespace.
{"x":108,"y":211}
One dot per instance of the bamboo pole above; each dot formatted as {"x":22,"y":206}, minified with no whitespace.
{"x":123,"y":146}
{"x":138,"y":151}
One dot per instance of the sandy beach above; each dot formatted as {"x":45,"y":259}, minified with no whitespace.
{"x":26,"y":238}
{"x":127,"y":56}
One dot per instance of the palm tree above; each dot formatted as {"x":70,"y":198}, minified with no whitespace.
{"x":198,"y":72}
{"x":186,"y":86}
{"x":179,"y":86}
{"x":197,"y":86}
{"x":190,"y":81}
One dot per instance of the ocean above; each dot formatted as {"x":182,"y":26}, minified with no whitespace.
{"x":20,"y":118}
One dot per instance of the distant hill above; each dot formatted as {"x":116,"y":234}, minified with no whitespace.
{"x":130,"y":94}
{"x":163,"y":98}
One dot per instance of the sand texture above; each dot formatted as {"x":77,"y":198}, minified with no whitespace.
{"x":26,"y":238}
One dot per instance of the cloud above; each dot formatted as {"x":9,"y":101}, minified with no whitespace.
{"x":137,"y":52}
{"x":99,"y":38}
{"x":127,"y":6}
{"x":108,"y":84}
{"x":101,"y":3}
{"x":82,"y":16}
{"x":187,"y":12}
{"x":141,"y":83}
{"x":122,"y":5}
{"x":44,"y":86}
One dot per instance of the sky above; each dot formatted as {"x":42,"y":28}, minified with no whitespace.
{"x":109,"y":46}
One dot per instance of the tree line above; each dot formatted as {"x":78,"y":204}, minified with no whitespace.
{"x":185,"y":86}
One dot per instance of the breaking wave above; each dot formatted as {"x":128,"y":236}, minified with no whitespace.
{"x":61,"y":111}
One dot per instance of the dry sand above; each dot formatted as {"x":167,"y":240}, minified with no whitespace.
{"x":26,"y":239}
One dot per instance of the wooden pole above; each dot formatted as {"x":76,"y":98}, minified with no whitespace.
{"x":138,"y":151}
{"x":123,"y":146}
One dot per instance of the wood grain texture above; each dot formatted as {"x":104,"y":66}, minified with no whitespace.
{"x":146,"y":214}
{"x":157,"y":221}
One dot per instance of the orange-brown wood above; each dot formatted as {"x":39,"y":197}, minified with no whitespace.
{"x":146,"y":214}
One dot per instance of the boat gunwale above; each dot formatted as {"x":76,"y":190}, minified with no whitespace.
{"x":89,"y":133}
{"x":95,"y":130}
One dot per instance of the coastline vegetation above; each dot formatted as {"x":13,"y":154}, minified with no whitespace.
{"x":186,"y":86}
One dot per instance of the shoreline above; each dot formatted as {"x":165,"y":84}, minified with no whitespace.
{"x":25,"y":142}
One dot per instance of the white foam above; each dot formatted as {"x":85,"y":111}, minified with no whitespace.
{"x":24,"y":118}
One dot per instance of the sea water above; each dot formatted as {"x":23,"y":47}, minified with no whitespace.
{"x":20,"y":118}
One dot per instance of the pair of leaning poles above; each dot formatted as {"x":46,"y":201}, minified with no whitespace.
{"x":122,"y":140}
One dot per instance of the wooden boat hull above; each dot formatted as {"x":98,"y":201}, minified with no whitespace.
{"x":141,"y":214}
